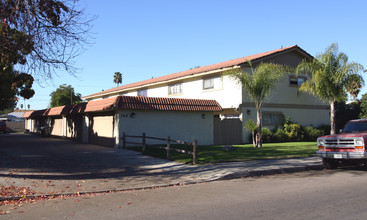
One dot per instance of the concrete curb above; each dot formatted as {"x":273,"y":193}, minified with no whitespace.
{"x":237,"y":175}
{"x":269,"y":172}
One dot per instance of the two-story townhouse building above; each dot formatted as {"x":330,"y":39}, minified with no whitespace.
{"x":209,"y":82}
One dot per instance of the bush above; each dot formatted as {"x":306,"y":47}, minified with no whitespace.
{"x":288,"y":131}
{"x":325,"y":128}
{"x":293,"y":131}
{"x":266,"y":135}
{"x":311,"y":133}
{"x":279,"y":135}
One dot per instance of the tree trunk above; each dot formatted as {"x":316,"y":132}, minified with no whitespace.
{"x":332,"y":117}
{"x":253,"y":138}
{"x":258,"y":124}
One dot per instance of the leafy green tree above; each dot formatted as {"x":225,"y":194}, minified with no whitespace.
{"x":37,"y":37}
{"x":328,"y":73}
{"x":14,"y":84}
{"x":258,"y":83}
{"x":363,"y":106}
{"x":58,"y":28}
{"x":117,"y":78}
{"x":65,"y":95}
{"x":353,"y":85}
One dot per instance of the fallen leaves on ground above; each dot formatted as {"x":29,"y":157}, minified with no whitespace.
{"x":13,"y":191}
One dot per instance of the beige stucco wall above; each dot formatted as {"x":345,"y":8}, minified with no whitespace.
{"x":185,"y":126}
{"x":283,"y":93}
{"x":291,"y":58}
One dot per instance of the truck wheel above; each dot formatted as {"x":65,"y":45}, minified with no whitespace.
{"x":330,"y":163}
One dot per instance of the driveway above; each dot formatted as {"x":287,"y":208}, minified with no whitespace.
{"x":49,"y":165}
{"x":56,"y":166}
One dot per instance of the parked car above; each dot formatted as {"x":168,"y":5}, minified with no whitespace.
{"x":348,"y":147}
{"x":2,"y":126}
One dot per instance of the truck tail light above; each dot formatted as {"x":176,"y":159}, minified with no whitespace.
{"x":321,"y":147}
{"x":359,"y":147}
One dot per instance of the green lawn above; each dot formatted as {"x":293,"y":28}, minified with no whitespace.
{"x":215,"y":154}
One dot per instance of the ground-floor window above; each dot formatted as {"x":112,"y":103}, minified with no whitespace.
{"x":272,"y":118}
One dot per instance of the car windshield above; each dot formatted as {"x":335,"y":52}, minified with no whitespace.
{"x":355,"y":127}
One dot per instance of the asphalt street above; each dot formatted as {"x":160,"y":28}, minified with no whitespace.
{"x":320,"y":194}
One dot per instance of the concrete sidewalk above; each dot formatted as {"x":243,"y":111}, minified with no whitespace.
{"x":121,"y":169}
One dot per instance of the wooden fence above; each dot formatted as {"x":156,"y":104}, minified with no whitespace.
{"x":168,"y":146}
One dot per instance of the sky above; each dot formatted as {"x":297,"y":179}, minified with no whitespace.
{"x":151,"y":38}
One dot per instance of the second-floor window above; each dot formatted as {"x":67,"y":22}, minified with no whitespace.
{"x":175,"y":89}
{"x":296,"y":81}
{"x":212,"y":83}
{"x":143,"y":93}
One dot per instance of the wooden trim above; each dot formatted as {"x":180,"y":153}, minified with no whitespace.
{"x":297,"y":49}
{"x":228,"y":111}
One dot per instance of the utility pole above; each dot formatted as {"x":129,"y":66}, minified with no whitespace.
{"x":71,"y":96}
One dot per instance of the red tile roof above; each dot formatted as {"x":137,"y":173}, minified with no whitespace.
{"x":27,"y":114}
{"x":100,"y":105}
{"x":226,"y":64}
{"x":92,"y":106}
{"x":167,"y":104}
{"x":131,"y":103}
{"x":34,"y":114}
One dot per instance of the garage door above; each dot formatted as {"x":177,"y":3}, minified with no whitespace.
{"x":102,"y":131}
{"x":56,"y":125}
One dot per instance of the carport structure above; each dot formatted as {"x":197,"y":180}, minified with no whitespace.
{"x":104,"y":121}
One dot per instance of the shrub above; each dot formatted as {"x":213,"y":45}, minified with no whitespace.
{"x":279,"y":135}
{"x":293,"y":131}
{"x":266,"y":135}
{"x":311,"y":133}
{"x":325,"y":128}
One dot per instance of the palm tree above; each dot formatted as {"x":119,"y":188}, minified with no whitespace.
{"x":328,"y":73}
{"x":251,"y":126}
{"x":353,"y":85}
{"x":258,"y":83}
{"x":117,"y":78}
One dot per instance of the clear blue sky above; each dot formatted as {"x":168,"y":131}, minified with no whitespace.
{"x":144,"y":38}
